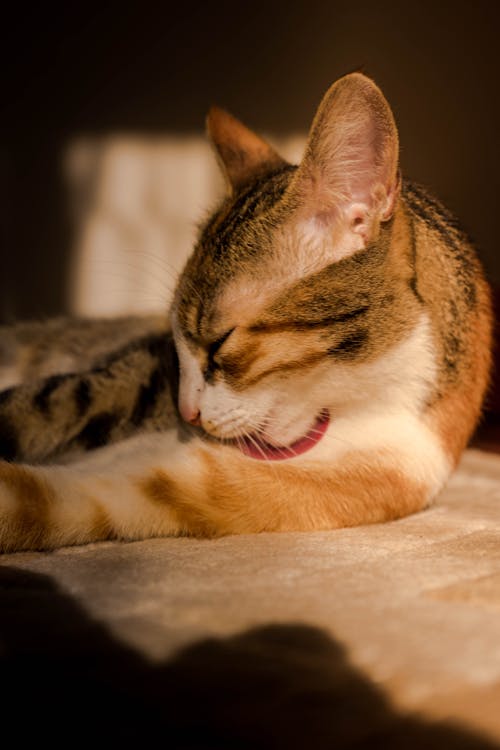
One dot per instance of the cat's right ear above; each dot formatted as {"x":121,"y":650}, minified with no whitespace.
{"x":242,"y":154}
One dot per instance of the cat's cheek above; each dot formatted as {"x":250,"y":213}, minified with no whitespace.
{"x":285,"y":425}
{"x":221,"y":413}
{"x":226,"y":414}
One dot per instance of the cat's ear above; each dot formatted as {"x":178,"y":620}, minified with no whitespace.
{"x":243,"y":155}
{"x":349,"y":175}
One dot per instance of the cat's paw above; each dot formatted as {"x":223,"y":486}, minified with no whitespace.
{"x":25,"y":500}
{"x":7,"y":505}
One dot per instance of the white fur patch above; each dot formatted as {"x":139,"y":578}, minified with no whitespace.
{"x":401,"y":379}
{"x":404,"y":441}
{"x":377,"y":406}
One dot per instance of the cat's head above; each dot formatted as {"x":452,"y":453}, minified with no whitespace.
{"x":286,"y":289}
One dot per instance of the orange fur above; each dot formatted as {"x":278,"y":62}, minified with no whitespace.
{"x":238,"y":497}
{"x":34,"y":498}
{"x":101,"y":526}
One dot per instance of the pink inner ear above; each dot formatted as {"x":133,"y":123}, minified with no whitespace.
{"x":351,"y":158}
{"x":359,"y":219}
{"x":356,"y":215}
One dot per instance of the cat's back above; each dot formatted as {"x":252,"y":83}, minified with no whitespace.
{"x":449,"y":283}
{"x":32,"y":350}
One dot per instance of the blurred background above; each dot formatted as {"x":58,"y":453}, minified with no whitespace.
{"x":105,"y":169}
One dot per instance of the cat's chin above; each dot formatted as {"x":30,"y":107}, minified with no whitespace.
{"x":256,"y":447}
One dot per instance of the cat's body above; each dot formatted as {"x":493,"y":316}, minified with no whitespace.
{"x":329,"y":321}
{"x":31,"y":351}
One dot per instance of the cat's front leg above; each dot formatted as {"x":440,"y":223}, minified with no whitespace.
{"x":156,"y":485}
{"x":100,"y":497}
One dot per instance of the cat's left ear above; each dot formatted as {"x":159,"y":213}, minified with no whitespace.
{"x":243,"y":155}
{"x":349,"y":176}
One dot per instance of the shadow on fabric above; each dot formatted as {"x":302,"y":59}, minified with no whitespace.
{"x":66,"y":680}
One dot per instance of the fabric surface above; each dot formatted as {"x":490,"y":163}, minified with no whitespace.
{"x":386,"y":635}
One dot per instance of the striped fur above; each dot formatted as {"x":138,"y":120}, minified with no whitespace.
{"x":331,"y":287}
{"x":31,"y":351}
{"x":132,"y":389}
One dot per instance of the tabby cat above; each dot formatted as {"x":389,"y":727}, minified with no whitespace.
{"x":324,"y":364}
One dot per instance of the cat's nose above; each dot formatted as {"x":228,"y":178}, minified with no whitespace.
{"x":190,"y":414}
{"x":195,"y":419}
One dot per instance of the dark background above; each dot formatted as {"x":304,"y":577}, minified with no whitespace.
{"x":139,"y":68}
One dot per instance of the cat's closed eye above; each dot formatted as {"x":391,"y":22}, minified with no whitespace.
{"x":213,"y":360}
{"x":216,"y":345}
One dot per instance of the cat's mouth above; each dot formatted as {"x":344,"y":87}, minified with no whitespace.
{"x":256,"y":447}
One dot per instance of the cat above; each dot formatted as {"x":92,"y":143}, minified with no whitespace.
{"x":30,"y":351}
{"x":323,"y":365}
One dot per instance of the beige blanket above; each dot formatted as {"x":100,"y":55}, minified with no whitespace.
{"x":381,"y":636}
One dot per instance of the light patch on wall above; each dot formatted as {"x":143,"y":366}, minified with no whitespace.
{"x":136,"y":202}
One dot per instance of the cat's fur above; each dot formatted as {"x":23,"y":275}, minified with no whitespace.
{"x":30,"y":351}
{"x":328,"y":289}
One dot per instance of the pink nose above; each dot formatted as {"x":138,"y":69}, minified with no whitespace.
{"x":195,"y":419}
{"x":190,"y":414}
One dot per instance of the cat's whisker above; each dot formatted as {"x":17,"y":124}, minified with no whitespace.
{"x":161,"y":263}
{"x":251,"y":438}
{"x":133,"y":265}
{"x":271,"y":464}
{"x":241,"y":445}
{"x":123,"y":276}
{"x":175,"y":275}
{"x":313,"y":431}
{"x":162,"y":260}
{"x":170,"y":268}
{"x":331,"y":436}
{"x":282,"y":450}
{"x":258,"y":447}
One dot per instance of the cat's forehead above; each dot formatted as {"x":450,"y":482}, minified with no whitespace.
{"x":254,"y":259}
{"x":232,"y":251}
{"x":234,"y":234}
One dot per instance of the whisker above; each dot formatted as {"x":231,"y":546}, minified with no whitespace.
{"x":121,"y":275}
{"x":283,"y":450}
{"x":256,"y":445}
{"x":338,"y":439}
{"x":312,"y":431}
{"x":139,"y":268}
{"x":269,"y":463}
{"x":172,"y":269}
